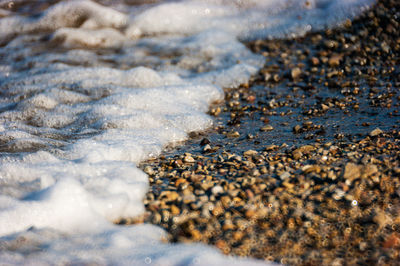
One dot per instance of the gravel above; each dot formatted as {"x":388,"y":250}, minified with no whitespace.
{"x":302,"y":166}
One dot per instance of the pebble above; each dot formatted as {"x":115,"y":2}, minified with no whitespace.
{"x":188,"y":159}
{"x":267,"y":128}
{"x":295,"y":73}
{"x":352,"y":171}
{"x":217,"y":190}
{"x":375,"y":132}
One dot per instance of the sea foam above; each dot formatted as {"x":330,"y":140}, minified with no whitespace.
{"x":88,"y":91}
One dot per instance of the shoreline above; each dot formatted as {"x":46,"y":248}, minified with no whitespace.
{"x":302,"y":165}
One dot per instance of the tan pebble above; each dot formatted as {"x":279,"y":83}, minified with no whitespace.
{"x":370,"y":169}
{"x":206,"y":148}
{"x":375,"y":132}
{"x":223,"y":246}
{"x":311,"y":231}
{"x":233,"y":134}
{"x":226,"y":201}
{"x":180,"y":181}
{"x":196,"y":178}
{"x":206,"y":185}
{"x":169,"y":195}
{"x":314,"y":61}
{"x":381,"y":218}
{"x":237,"y":235}
{"x":267,"y":128}
{"x":234,"y":192}
{"x":196,"y":234}
{"x":311,"y":169}
{"x":270,"y":233}
{"x":291,"y":224}
{"x":306,"y":149}
{"x":228,"y":225}
{"x":250,"y":153}
{"x":295,"y":73}
{"x":149,"y":170}
{"x":250,"y":214}
{"x":352,"y":171}
{"x":215,"y":111}
{"x":175,"y":210}
{"x":178,"y":163}
{"x":324,"y":107}
{"x":255,"y":172}
{"x":271,"y":147}
{"x":284,"y":175}
{"x":249,"y":194}
{"x":296,"y":129}
{"x":334,"y":60}
{"x":288,"y":185}
{"x":297,"y":154}
{"x":238,"y":201}
{"x":189,"y":198}
{"x":188,"y":159}
{"x":217,"y":210}
{"x":217,"y":190}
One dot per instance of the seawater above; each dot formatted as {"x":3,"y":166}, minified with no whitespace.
{"x":90,"y":89}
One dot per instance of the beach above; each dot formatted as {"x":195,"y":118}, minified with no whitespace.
{"x":302,"y":165}
{"x":199,"y":132}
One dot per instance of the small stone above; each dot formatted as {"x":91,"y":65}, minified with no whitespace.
{"x":306,"y":149}
{"x":324,"y":107}
{"x":297,"y":154}
{"x":271,"y":147}
{"x":339,"y":194}
{"x":217,"y":210}
{"x":255,"y":172}
{"x":352,"y":171}
{"x":207,"y":148}
{"x":237,"y":235}
{"x":188,"y":158}
{"x":175,"y":210}
{"x":149,"y":170}
{"x":267,"y":128}
{"x":169,"y":195}
{"x":233,"y":134}
{"x":250,"y":153}
{"x":381,"y":218}
{"x":222,"y":245}
{"x":363,"y":246}
{"x":311,"y":169}
{"x":284,"y":175}
{"x":334,"y":60}
{"x":250,"y":214}
{"x":315,"y":61}
{"x":217,"y":190}
{"x":375,"y":132}
{"x":228,"y":225}
{"x":196,"y":234}
{"x":180,"y":181}
{"x":295,"y":73}
{"x":296,"y":129}
{"x":370,"y":170}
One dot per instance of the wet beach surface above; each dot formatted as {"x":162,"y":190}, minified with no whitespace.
{"x":302,"y":166}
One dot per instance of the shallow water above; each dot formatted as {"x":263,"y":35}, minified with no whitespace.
{"x":90,"y":90}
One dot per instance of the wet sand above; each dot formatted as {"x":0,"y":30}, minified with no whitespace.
{"x":302,"y":166}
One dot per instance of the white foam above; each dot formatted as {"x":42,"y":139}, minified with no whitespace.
{"x":89,"y":91}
